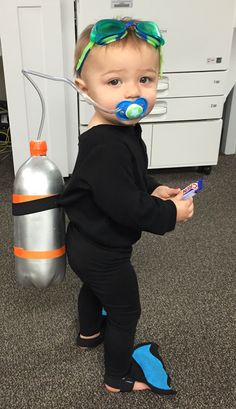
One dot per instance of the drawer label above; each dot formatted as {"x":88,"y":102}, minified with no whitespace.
{"x":214,"y":60}
{"x":121,"y":3}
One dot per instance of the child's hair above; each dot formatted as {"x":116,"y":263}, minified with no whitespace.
{"x":84,"y":38}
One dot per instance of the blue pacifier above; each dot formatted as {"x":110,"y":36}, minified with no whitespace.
{"x":127,"y":110}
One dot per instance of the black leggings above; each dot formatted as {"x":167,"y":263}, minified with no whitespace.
{"x":109,"y":281}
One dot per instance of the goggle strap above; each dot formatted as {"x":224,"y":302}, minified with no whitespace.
{"x":84,"y":55}
{"x":112,"y":39}
{"x":161,"y":63}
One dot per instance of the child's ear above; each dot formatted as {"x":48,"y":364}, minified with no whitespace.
{"x":81,"y":84}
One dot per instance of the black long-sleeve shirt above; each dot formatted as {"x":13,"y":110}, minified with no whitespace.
{"x":108,"y":196}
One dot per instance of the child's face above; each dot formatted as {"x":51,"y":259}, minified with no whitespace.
{"x":112,"y":74}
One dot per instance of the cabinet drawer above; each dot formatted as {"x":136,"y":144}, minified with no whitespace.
{"x":184,"y":109}
{"x":192,"y":84}
{"x":180,"y":144}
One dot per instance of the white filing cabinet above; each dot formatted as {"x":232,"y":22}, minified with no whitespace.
{"x":184,"y":128}
{"x":181,"y":133}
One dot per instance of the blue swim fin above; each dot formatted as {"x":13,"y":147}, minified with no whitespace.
{"x":148,"y":367}
{"x":104,"y":313}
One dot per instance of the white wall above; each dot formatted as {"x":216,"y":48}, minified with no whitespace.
{"x":39,"y":35}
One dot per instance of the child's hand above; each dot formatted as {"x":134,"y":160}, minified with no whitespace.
{"x":165,"y":192}
{"x":185,"y":208}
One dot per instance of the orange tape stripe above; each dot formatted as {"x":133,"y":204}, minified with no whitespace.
{"x":27,"y":198}
{"x":19,"y":252}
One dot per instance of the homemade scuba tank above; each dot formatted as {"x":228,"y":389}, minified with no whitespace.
{"x":39,"y":224}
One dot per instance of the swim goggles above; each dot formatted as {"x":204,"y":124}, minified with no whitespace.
{"x":109,"y":30}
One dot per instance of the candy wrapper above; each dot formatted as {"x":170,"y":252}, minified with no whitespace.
{"x":193,"y":189}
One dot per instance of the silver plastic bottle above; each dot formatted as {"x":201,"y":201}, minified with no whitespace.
{"x":39,"y":238}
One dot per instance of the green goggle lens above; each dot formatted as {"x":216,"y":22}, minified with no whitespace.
{"x":149,"y":28}
{"x":106,"y":28}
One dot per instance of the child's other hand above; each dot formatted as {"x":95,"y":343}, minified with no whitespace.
{"x":165,"y":192}
{"x":185,"y":208}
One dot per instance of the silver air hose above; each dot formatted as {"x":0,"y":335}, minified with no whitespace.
{"x":27,"y":74}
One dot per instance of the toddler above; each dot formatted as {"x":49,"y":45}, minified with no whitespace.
{"x":110,"y":198}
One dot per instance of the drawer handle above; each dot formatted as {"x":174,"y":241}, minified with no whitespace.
{"x":163,"y":84}
{"x":159,"y":110}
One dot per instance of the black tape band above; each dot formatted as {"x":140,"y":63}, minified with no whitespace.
{"x":35,"y":206}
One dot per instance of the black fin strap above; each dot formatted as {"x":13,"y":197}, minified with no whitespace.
{"x":35,"y":206}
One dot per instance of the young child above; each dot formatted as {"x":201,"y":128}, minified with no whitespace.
{"x":110,"y":199}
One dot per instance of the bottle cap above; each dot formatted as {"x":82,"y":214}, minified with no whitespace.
{"x":38,"y":148}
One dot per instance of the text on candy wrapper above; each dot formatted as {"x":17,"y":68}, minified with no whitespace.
{"x":193,"y":186}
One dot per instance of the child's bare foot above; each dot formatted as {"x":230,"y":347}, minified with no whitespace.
{"x":138,"y":386}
